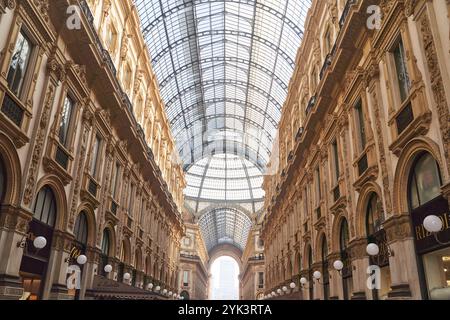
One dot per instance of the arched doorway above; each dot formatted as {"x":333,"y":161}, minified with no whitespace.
{"x":224,"y":281}
{"x":326,"y":278}
{"x":310,"y":273}
{"x":105,"y":251}
{"x":376,"y":234}
{"x":79,"y":246}
{"x":347,"y":281}
{"x":425,"y":198}
{"x":33,"y":267}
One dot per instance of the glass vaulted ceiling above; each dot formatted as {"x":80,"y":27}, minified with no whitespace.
{"x":223,"y":67}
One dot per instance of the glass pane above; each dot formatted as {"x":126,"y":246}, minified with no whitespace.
{"x":223,"y":69}
{"x":45,"y":207}
{"x":65,"y":120}
{"x":373,"y":218}
{"x":94,"y":158}
{"x":402,"y":70}
{"x":19,"y":64}
{"x":361,"y":127}
{"x":427,"y":181}
{"x":80,"y":229}
{"x":344,"y":235}
{"x":105,"y":243}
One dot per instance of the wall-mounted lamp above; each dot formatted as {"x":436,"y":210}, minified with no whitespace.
{"x":292,"y":285}
{"x":317,"y":275}
{"x":338,"y":265}
{"x":433,"y":224}
{"x":303,"y":282}
{"x":108,"y":268}
{"x":38,"y":242}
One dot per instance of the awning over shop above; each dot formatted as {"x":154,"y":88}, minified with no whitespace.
{"x":103,"y":288}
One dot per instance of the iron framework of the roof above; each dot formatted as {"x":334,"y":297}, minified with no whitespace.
{"x":223,"y":68}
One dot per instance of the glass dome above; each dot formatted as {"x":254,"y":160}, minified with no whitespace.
{"x":224,"y":177}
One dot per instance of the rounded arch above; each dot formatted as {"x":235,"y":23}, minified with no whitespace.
{"x":125,"y":250}
{"x":336,"y":230}
{"x":81,"y":228}
{"x":321,"y":235}
{"x":138,"y":259}
{"x":410,"y":152}
{"x":109,"y":229}
{"x":225,"y":250}
{"x":12,"y":170}
{"x":57,"y":187}
{"x":297,"y":262}
{"x":88,"y":211}
{"x":365,"y":195}
{"x":308,"y":255}
{"x":148,"y":265}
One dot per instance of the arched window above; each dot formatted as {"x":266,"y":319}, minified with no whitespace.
{"x":2,"y":180}
{"x":326,"y":279}
{"x":373,"y":215}
{"x":424,"y":182}
{"x":106,"y":242}
{"x":45,"y":207}
{"x":310,"y":274}
{"x":80,"y":230}
{"x":344,"y":237}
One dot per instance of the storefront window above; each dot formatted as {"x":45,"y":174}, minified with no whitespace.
{"x":425,"y":198}
{"x":437,"y":273}
{"x":35,"y":262}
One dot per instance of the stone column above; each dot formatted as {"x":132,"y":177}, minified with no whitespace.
{"x":335,"y":277}
{"x":56,"y":278}
{"x":304,"y":290}
{"x":13,"y":229}
{"x":90,"y":269}
{"x":403,"y":261}
{"x":359,"y":262}
{"x":318,"y":285}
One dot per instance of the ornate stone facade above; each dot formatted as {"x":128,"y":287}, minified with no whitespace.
{"x":113,"y":166}
{"x":360,"y":137}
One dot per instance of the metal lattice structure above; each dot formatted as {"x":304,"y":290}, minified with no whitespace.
{"x":223,"y":67}
{"x":225,"y":225}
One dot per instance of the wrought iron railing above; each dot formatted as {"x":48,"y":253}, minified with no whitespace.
{"x":336,"y":193}
{"x":404,"y":118}
{"x":12,"y":110}
{"x":92,"y":187}
{"x":362,"y":165}
{"x":61,"y":157}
